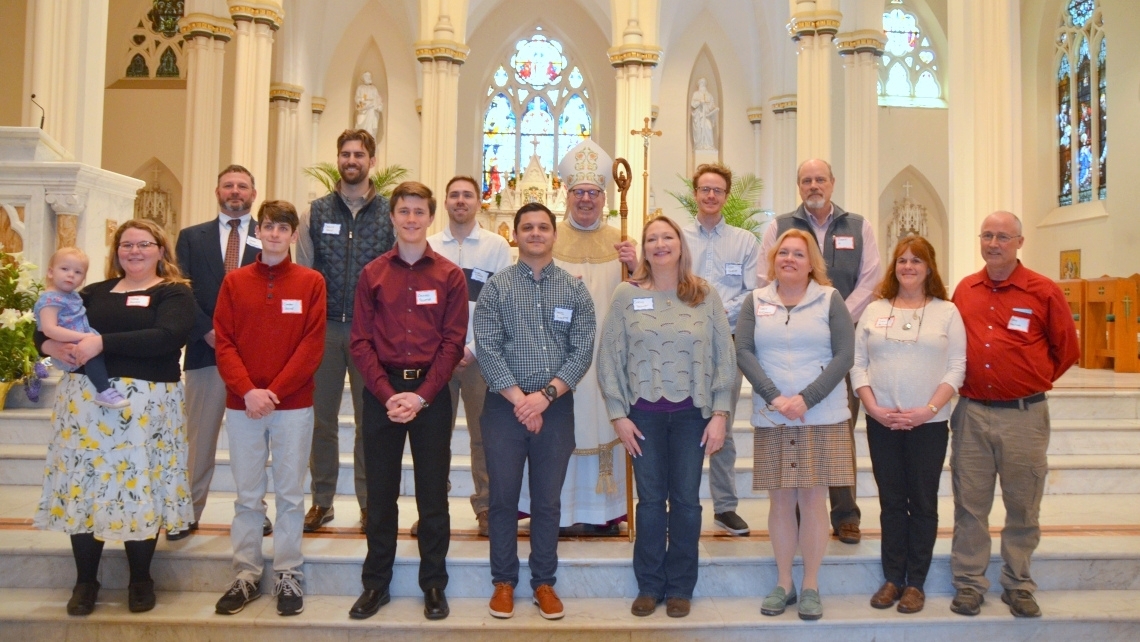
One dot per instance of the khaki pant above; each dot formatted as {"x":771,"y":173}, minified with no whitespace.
{"x":1010,"y":444}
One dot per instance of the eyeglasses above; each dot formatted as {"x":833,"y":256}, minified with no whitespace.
{"x":706,"y":190}
{"x":142,"y":245}
{"x":579,"y":193}
{"x":988,"y":237}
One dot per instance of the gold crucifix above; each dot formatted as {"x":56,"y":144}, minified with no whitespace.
{"x":646,"y":133}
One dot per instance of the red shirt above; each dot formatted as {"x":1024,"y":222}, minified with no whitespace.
{"x":270,"y":332}
{"x":409,"y":316}
{"x":1020,"y":335}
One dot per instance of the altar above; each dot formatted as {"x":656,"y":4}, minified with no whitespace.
{"x":534,"y":186}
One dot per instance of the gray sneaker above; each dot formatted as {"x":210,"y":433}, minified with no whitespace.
{"x":778,"y":600}
{"x":240,"y":593}
{"x":290,"y":598}
{"x":732,"y":523}
{"x":811,"y":607}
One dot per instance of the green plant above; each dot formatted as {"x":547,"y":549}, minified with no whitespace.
{"x":740,"y":208}
{"x":384,"y":180}
{"x":18,"y":294}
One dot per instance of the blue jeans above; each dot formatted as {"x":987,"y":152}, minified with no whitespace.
{"x":669,"y":469}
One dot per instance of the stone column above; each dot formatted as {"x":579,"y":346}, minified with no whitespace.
{"x":785,"y":196}
{"x":206,"y":37}
{"x":812,"y":27}
{"x":318,"y":107}
{"x":984,"y":86}
{"x":283,"y":171}
{"x":861,"y":51}
{"x":68,"y":47}
{"x":255,"y":24}
{"x":67,"y":208}
{"x":755,"y":115}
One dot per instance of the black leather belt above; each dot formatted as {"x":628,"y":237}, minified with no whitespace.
{"x":407,"y":374}
{"x":1011,"y":403}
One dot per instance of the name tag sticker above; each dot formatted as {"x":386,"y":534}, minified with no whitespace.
{"x":253,"y":241}
{"x":426,"y":297}
{"x":733,"y":269}
{"x":138,"y":301}
{"x":765,"y":310}
{"x":643,"y":303}
{"x":480,"y":275}
{"x":291,"y":306}
{"x":563,"y":314}
{"x":845,"y":242}
{"x":885,"y":322}
{"x":331,"y":228}
{"x":1021,"y":324}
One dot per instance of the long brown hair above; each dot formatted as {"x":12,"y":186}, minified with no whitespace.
{"x":815,"y":259}
{"x":691,"y":289}
{"x":922,"y":250}
{"x":167,"y":267}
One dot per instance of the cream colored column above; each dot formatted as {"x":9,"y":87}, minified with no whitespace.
{"x":984,"y":90}
{"x":317,"y":104}
{"x":634,"y":56}
{"x":283,"y":170}
{"x":785,"y":196}
{"x":861,"y":51}
{"x":255,"y":24}
{"x":755,"y":116}
{"x":68,"y":47}
{"x":206,"y":37}
{"x":813,"y":26}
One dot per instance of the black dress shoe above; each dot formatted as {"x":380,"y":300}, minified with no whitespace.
{"x":266,"y":528}
{"x":182,"y":534}
{"x":83,"y":598}
{"x":368,"y":603}
{"x":435,"y":604}
{"x":140,"y":596}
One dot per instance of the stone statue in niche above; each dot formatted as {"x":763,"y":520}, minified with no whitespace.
{"x":368,"y":105}
{"x":704,"y":109}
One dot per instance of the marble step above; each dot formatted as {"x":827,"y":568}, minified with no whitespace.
{"x":1068,"y":615}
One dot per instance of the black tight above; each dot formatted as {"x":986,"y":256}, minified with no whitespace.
{"x":88,"y":551}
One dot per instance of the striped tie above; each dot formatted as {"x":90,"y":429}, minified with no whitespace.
{"x":232,"y":246}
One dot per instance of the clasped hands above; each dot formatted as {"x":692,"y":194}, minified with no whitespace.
{"x":403,"y":407}
{"x":897,"y":418}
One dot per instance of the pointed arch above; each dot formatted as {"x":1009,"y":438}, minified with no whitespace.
{"x":922,"y":192}
{"x":705,"y":67}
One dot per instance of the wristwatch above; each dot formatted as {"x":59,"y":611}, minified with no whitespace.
{"x":550,"y":392}
{"x":423,"y":402}
{"x":933,"y":408}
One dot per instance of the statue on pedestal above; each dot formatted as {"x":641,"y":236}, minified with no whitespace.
{"x":368,"y":105}
{"x":704,"y":108}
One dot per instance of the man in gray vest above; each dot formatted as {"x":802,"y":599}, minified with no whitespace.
{"x":847,"y":242}
{"x":340,"y":234}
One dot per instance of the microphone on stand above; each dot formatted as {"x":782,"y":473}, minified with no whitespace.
{"x":43,"y":112}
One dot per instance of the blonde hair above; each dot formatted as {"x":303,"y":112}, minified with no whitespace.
{"x":818,"y":271}
{"x":691,"y":289}
{"x":70,"y":251}
{"x":167,"y":267}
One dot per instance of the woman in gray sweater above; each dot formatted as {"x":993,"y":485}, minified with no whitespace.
{"x":666,"y":369}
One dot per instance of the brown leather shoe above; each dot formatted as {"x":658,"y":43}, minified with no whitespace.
{"x":549,"y":606}
{"x":886,"y":596}
{"x":912,"y":600}
{"x":364,"y":520}
{"x":317,"y":517}
{"x":484,"y":525}
{"x":503,"y":601}
{"x":415,"y":529}
{"x":676,"y":607}
{"x":644,"y":605}
{"x":849,"y":533}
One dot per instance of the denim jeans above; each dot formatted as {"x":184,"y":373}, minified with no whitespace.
{"x":668,"y":470}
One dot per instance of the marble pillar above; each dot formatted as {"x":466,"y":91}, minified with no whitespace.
{"x":860,"y":52}
{"x":206,"y":37}
{"x":284,"y":171}
{"x":255,"y":24}
{"x":813,"y":33}
{"x":317,"y":106}
{"x":785,"y":196}
{"x":755,"y":115}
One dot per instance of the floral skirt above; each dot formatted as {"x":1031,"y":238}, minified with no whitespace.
{"x":119,"y":474}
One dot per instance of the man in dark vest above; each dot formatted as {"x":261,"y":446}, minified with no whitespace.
{"x":340,"y":234}
{"x":847,"y":242}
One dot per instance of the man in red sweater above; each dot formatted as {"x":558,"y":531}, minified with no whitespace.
{"x":270,"y":335}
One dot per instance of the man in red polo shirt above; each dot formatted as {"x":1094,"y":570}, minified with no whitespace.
{"x":1020,"y":338}
{"x":409,"y":325}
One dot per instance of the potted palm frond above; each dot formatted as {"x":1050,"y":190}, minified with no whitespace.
{"x":740,"y":207}
{"x":384,"y":180}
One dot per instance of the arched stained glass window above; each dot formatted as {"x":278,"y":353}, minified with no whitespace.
{"x":1082,"y":90}
{"x":908,"y":75}
{"x":538,"y":104}
{"x":154,"y":46}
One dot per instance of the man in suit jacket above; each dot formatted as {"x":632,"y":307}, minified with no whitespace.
{"x":205,"y":253}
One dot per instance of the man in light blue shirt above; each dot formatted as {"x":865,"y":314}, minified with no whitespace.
{"x":726,"y":257}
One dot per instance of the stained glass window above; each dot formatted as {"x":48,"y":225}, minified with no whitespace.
{"x":154,"y":48}
{"x":1082,"y":117}
{"x":138,"y":68}
{"x":164,"y":16}
{"x":167,"y":65}
{"x":531,"y":113}
{"x":908,"y":75}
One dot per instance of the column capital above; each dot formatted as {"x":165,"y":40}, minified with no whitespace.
{"x":634,"y":55}
{"x":281,"y":91}
{"x":66,"y":202}
{"x":781,"y":104}
{"x":814,"y":23}
{"x":204,"y":25}
{"x":318,"y":104}
{"x":863,"y":41}
{"x":756,"y":114}
{"x":451,"y":50}
{"x":265,"y":12}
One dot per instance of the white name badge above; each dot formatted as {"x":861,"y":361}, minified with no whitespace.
{"x":253,"y":241}
{"x":291,"y":306}
{"x":643,"y":303}
{"x":479,"y":275}
{"x":885,"y":322}
{"x":733,"y":269}
{"x":426,"y":297}
{"x":331,"y":228}
{"x":138,"y":301}
{"x":845,"y":242}
{"x":563,"y":314}
{"x":765,"y":310}
{"x":1021,"y":324}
